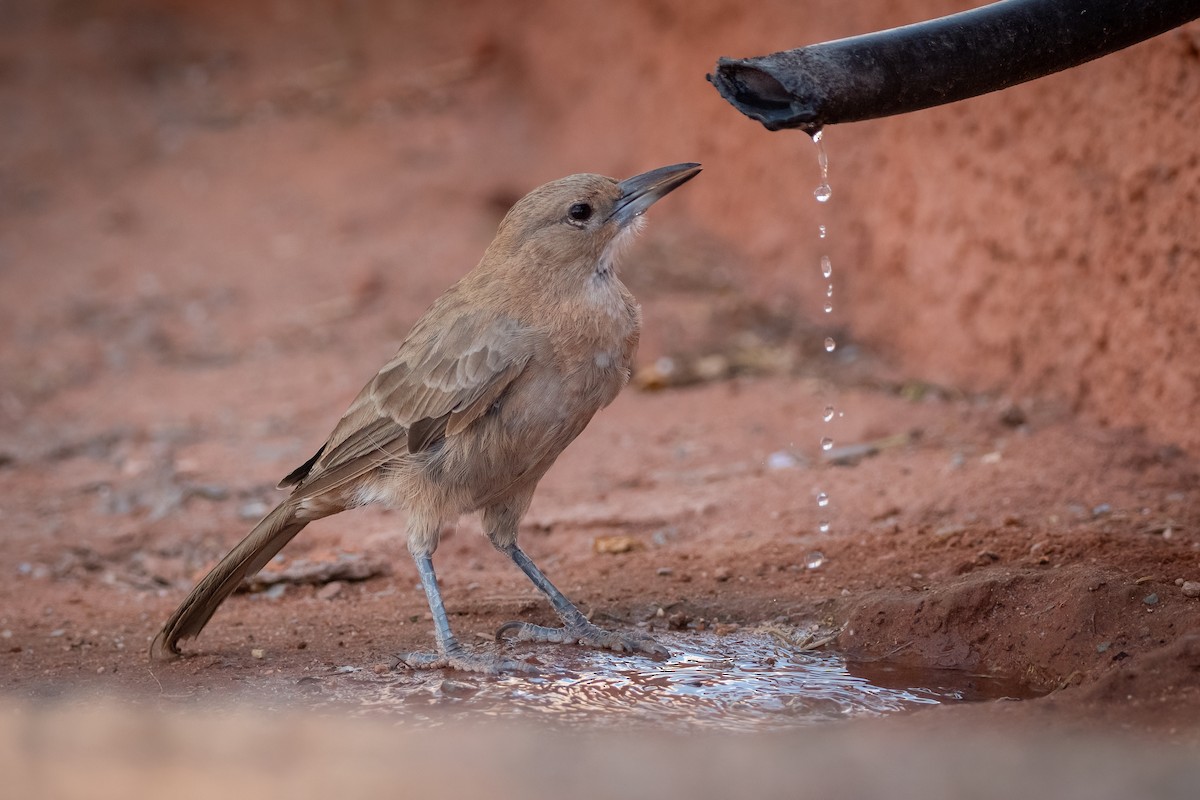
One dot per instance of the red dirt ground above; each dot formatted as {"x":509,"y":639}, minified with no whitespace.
{"x":212,"y":234}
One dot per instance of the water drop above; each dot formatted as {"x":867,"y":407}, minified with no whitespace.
{"x":826,"y":443}
{"x":823,"y":192}
{"x":821,"y":232}
{"x":816,"y":558}
{"x":826,"y":266}
{"x":830,"y":344}
{"x":829,"y":308}
{"x":822,"y":499}
{"x":829,"y":290}
{"x":828,"y":415}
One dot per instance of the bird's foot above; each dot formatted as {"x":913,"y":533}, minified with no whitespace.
{"x":584,"y":633}
{"x":460,"y":659}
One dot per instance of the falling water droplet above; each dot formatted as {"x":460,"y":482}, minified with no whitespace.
{"x":826,"y":266}
{"x":826,"y":443}
{"x":816,"y":558}
{"x":821,"y":232}
{"x":822,"y":499}
{"x":829,"y":290}
{"x":829,"y":308}
{"x":828,"y":415}
{"x":823,"y":192}
{"x":830,"y":344}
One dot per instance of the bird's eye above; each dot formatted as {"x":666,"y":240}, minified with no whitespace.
{"x":580,"y":212}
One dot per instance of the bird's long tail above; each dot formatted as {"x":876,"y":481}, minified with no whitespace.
{"x":249,"y":556}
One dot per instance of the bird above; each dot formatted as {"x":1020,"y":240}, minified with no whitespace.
{"x":491,"y":384}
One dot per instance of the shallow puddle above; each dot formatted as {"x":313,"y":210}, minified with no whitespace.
{"x":735,"y":682}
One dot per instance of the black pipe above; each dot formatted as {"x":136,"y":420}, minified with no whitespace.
{"x":938,"y":61}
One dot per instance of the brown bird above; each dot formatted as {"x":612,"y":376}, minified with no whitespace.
{"x":492,"y":383}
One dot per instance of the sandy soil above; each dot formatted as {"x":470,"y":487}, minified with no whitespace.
{"x":205,"y":251}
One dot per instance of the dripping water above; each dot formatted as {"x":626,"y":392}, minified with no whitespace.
{"x":823,"y":193}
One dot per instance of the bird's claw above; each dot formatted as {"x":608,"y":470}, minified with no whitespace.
{"x":585,"y":634}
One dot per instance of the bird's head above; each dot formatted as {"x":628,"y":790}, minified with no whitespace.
{"x":576,"y":227}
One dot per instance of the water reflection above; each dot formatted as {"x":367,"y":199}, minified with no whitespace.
{"x":745,"y":682}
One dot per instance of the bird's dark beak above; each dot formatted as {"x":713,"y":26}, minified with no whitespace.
{"x":641,"y":191}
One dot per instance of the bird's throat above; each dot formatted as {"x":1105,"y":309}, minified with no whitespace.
{"x":616,"y":247}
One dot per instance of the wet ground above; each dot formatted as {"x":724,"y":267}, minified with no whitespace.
{"x":741,"y":682}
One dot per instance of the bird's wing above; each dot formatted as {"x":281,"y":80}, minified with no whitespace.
{"x":443,"y":378}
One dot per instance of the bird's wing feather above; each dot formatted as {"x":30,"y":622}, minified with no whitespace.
{"x":446,"y":373}
{"x":437,"y":384}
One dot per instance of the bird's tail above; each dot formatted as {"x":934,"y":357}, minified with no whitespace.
{"x":248,"y":557}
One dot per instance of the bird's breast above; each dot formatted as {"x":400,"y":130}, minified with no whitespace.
{"x":605,"y":296}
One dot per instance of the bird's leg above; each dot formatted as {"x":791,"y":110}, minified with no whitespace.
{"x":576,"y":628}
{"x":451,"y":654}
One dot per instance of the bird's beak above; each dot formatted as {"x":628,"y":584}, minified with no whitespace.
{"x":641,"y":191}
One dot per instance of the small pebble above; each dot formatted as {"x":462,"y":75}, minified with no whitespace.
{"x":275,"y":592}
{"x":1191,"y":588}
{"x":663,"y":536}
{"x":614,"y":544}
{"x":330,"y":590}
{"x":664,"y":571}
{"x":258,"y":653}
{"x":1150,"y":599}
{"x":781,"y":459}
{"x":722,"y":574}
{"x":1179,"y":581}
